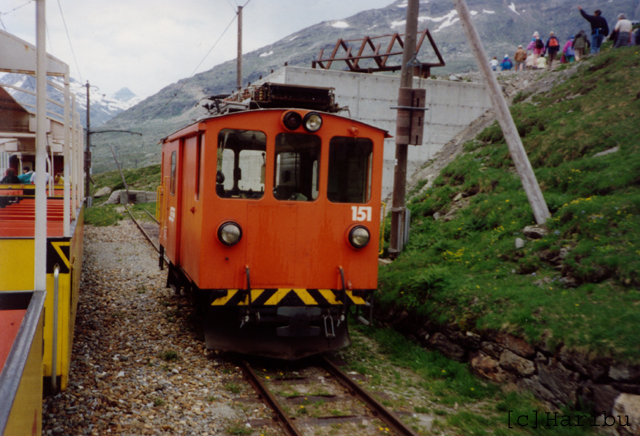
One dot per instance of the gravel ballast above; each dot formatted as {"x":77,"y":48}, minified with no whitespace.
{"x":138,"y":364}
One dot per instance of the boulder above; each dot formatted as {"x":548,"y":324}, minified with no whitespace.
{"x":535,"y":232}
{"x":441,"y":343}
{"x":489,"y":368}
{"x":512,"y":362}
{"x":105,"y":190}
{"x":560,"y":381}
{"x":626,"y":410}
{"x":517,"y":345}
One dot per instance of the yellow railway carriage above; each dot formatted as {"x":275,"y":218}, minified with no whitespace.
{"x":64,"y":255}
{"x":21,"y":320}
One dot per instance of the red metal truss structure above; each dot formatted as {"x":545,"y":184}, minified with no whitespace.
{"x":422,"y":69}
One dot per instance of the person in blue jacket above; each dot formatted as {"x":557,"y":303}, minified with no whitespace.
{"x":599,"y":28}
{"x":506,"y":63}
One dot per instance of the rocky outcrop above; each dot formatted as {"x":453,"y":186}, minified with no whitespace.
{"x":559,"y":376}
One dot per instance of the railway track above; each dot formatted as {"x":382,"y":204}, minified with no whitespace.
{"x":319,"y":394}
{"x":150,"y":231}
{"x":316,"y":383}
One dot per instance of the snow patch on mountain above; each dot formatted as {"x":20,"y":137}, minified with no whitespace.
{"x":340,"y":24}
{"x":103,"y":108}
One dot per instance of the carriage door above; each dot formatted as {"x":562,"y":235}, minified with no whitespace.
{"x":172,"y":180}
{"x":191,"y":215}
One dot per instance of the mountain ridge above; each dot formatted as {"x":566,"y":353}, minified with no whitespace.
{"x":502,"y":25}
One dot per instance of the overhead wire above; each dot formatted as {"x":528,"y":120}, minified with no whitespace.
{"x":73,"y":53}
{"x":196,"y":68}
{"x":8,"y":12}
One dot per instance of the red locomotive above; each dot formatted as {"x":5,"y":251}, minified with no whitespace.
{"x":270,"y":218}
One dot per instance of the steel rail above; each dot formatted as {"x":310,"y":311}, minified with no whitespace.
{"x":380,"y":412}
{"x":152,"y":216}
{"x":146,"y":235}
{"x":281,"y":416}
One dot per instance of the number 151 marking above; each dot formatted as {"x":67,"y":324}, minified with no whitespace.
{"x":360,"y":213}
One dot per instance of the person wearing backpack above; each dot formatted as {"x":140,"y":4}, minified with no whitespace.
{"x":536,"y":46}
{"x":599,"y":28}
{"x":568,"y":50}
{"x":520,"y":58}
{"x":553,"y":47}
{"x":579,"y":44}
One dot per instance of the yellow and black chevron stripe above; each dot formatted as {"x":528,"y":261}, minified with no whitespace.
{"x":58,"y":253}
{"x":288,"y":297}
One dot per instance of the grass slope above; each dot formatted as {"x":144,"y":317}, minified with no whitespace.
{"x":579,"y":285}
{"x":143,"y":179}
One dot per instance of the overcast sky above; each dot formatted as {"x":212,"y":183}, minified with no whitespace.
{"x":147,"y":44}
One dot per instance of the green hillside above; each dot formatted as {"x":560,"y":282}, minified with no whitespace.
{"x":578,"y":285}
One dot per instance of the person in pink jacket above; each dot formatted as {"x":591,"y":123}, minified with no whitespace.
{"x":568,"y":51}
{"x":536,"y":46}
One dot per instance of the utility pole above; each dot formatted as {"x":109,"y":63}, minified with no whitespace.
{"x":402,"y":142}
{"x":87,"y":153}
{"x":511,"y":136}
{"x":239,"y":64}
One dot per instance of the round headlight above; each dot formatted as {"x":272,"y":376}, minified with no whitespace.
{"x":359,"y":236}
{"x":292,"y":120}
{"x":312,"y":122}
{"x":229,"y":233}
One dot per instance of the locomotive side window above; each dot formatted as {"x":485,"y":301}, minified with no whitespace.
{"x":173,"y":173}
{"x":296,"y":167}
{"x":350,"y":165}
{"x":241,"y":164}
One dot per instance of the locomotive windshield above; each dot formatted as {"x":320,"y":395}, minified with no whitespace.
{"x":241,"y":164}
{"x":350,"y":166}
{"x":297,"y":167}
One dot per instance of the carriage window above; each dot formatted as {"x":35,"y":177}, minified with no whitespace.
{"x":173,"y":173}
{"x":350,"y":166}
{"x":296,"y":167}
{"x":241,"y":164}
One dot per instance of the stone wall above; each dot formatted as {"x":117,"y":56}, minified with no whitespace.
{"x":137,"y":197}
{"x":557,"y":375}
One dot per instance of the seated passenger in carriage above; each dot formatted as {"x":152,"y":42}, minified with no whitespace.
{"x":10,"y":177}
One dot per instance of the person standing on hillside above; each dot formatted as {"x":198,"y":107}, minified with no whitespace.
{"x":599,"y":28}
{"x":568,"y":50}
{"x":623,"y":27}
{"x":579,"y":44}
{"x":506,"y":63}
{"x":553,"y":47}
{"x":494,"y":63}
{"x":536,"y":46}
{"x":520,"y":58}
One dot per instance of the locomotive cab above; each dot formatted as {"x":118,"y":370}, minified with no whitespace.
{"x":270,"y":219}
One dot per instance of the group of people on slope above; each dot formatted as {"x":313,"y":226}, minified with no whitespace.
{"x":533,"y":57}
{"x":622,"y":34}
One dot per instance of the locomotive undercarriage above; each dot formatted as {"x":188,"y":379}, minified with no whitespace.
{"x":290,"y":330}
